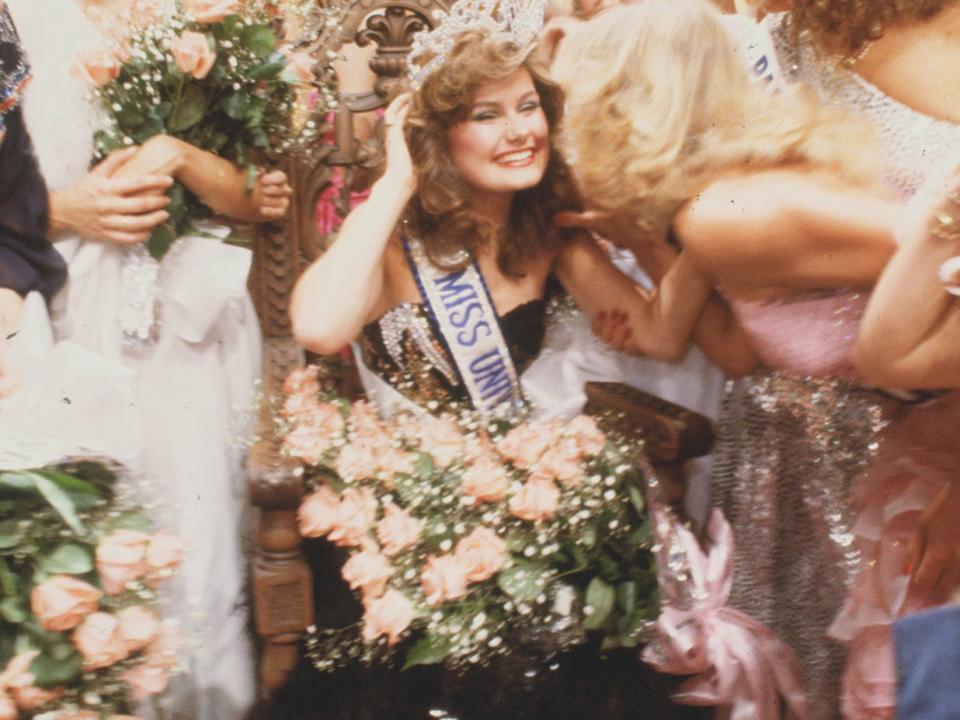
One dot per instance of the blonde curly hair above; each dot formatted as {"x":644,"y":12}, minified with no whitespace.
{"x":659,"y":101}
{"x":849,"y":24}
{"x":439,"y":214}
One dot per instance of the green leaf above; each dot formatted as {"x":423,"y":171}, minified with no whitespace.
{"x":600,"y":597}
{"x":429,"y":650}
{"x":12,"y":610}
{"x":270,"y":69}
{"x":589,"y":537}
{"x":48,"y":671}
{"x":627,"y":596}
{"x":636,"y":497}
{"x":229,"y":25}
{"x":17,"y":481}
{"x":424,"y":466}
{"x":160,"y":241}
{"x":60,"y":501}
{"x":69,"y":558}
{"x":258,"y":39}
{"x":9,"y":534}
{"x":252,"y":173}
{"x":133,"y":521}
{"x":235,"y":105}
{"x":523,"y":580}
{"x":190,"y":110}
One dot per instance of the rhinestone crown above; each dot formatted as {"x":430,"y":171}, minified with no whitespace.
{"x":514,"y":21}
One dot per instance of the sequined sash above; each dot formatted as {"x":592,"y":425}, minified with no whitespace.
{"x":461,"y":304}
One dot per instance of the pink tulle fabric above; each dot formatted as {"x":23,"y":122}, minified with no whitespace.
{"x":919,"y":454}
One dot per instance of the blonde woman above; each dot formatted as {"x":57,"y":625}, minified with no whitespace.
{"x":779,"y":200}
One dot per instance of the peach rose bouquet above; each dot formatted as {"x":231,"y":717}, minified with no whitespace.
{"x":226,"y":76}
{"x":80,"y":568}
{"x":462,"y":531}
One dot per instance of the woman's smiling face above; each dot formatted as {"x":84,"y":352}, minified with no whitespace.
{"x":503,"y":144}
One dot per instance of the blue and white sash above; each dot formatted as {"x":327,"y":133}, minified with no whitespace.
{"x":461,"y":304}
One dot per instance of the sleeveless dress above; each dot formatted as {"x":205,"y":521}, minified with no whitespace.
{"x":193,"y":371}
{"x":920,"y":450}
{"x":812,"y":499}
{"x":405,"y":359}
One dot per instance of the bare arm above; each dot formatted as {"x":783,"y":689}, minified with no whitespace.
{"x":219,"y":184}
{"x":789,"y":230}
{"x":661,"y":322}
{"x":718,"y":333}
{"x":345,"y":287}
{"x":910,"y":333}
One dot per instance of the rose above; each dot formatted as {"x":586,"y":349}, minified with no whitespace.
{"x":357,"y":460}
{"x":442,"y":439}
{"x":561,"y":461}
{"x":19,"y":683}
{"x":589,"y":438}
{"x":536,"y":500}
{"x":318,"y":513}
{"x":325,"y":418}
{"x":121,"y":558}
{"x":526,"y":443}
{"x":397,"y":530}
{"x":163,"y":555}
{"x":100,"y":641}
{"x":8,"y":708}
{"x":193,"y":55}
{"x":302,"y":381}
{"x":145,"y":13}
{"x":99,"y":67}
{"x":306,"y":443}
{"x":388,"y":615}
{"x":369,"y":571}
{"x":210,"y":11}
{"x":443,"y":578}
{"x":61,"y":602}
{"x":393,"y":461}
{"x":138,"y":626}
{"x":300,"y":65}
{"x":146,"y":679}
{"x":364,"y":420}
{"x":357,"y":512}
{"x":485,"y":480}
{"x":482,"y":553}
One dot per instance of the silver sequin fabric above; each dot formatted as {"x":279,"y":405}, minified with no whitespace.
{"x":789,"y":448}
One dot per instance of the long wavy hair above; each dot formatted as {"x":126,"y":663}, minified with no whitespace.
{"x":659,"y":101}
{"x":440,"y":214}
{"x":849,"y":24}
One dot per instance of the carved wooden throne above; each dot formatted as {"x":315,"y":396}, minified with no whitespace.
{"x":282,"y":587}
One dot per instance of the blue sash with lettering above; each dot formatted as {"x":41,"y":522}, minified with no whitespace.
{"x":461,"y":304}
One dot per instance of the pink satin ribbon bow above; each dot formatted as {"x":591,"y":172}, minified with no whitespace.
{"x":735,"y":660}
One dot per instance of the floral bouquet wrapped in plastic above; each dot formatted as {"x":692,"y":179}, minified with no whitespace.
{"x":465,"y":533}
{"x":79,"y":569}
{"x":222,"y":75}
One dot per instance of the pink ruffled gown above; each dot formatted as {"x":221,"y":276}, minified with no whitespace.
{"x":822,"y":547}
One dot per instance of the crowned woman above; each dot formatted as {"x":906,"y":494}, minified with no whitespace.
{"x":442,"y":280}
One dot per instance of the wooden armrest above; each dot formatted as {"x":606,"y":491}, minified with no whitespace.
{"x":671,"y":434}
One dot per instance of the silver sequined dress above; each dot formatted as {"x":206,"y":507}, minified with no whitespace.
{"x":794,"y":438}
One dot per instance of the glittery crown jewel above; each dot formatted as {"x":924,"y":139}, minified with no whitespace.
{"x":514,"y":21}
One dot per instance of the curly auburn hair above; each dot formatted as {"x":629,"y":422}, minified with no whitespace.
{"x":439,"y":213}
{"x":850,"y":24}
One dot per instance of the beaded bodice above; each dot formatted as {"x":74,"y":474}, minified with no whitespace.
{"x":913,"y":143}
{"x":406,"y":349}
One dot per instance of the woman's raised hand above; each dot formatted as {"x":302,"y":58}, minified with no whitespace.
{"x":400,"y":168}
{"x":272,"y":195}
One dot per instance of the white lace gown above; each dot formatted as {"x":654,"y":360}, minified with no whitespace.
{"x":192,"y":385}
